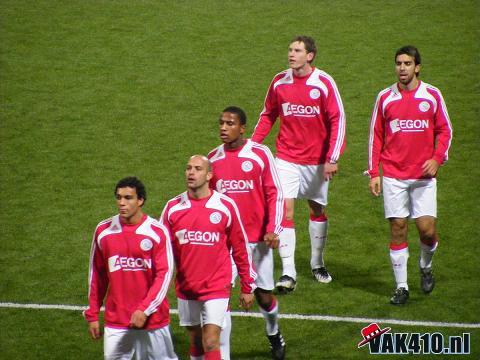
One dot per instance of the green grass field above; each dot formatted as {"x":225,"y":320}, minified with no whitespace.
{"x":92,"y":91}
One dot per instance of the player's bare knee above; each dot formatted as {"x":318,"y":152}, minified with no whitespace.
{"x":210,"y":343}
{"x":427,"y":236}
{"x":316,"y":209}
{"x":289,"y":209}
{"x":264,"y":298}
{"x":399,"y":230}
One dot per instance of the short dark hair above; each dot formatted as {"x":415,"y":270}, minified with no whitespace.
{"x":134,"y":183}
{"x":236,"y":110}
{"x":308,"y":42}
{"x":410,"y":50}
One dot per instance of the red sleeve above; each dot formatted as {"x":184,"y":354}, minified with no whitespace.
{"x":443,"y":131}
{"x":337,"y":122}
{"x":97,"y":281}
{"x":375,"y":143}
{"x":273,"y":193}
{"x":241,"y":252}
{"x":163,"y":260}
{"x":268,"y":116}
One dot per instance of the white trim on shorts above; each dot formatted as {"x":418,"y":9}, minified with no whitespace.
{"x":193,"y":312}
{"x":302,"y":181}
{"x":412,"y":198}
{"x":122,"y":344}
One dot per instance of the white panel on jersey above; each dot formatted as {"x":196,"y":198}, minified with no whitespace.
{"x":146,"y":229}
{"x":182,"y":205}
{"x":287,"y":79}
{"x":219,"y":153}
{"x":114,"y":228}
{"x":215,"y":202}
{"x":248,"y":153}
{"x":395,"y":95}
{"x":314,"y":80}
{"x":422,"y":93}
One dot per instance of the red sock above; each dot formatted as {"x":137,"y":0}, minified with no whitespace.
{"x":398,"y":247}
{"x":213,"y":355}
{"x":194,"y":351}
{"x":288,"y":223}
{"x":320,"y":218}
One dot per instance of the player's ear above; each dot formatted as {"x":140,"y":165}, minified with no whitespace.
{"x":310,"y":56}
{"x":242,"y":129}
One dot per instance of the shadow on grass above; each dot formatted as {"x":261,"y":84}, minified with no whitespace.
{"x":372,"y":280}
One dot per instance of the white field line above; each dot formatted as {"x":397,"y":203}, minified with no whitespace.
{"x":281,"y":316}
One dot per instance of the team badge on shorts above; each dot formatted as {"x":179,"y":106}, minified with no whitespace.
{"x":215,"y":217}
{"x":424,"y":106}
{"x":314,"y":93}
{"x":146,"y":244}
{"x":247,"y":166}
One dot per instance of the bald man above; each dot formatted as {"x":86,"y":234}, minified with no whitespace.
{"x":205,"y":227}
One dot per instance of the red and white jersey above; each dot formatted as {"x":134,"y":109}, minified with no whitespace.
{"x":132,"y":266}
{"x":203,"y":232}
{"x":312,"y":119}
{"x":407,"y":128}
{"x":248,"y":175}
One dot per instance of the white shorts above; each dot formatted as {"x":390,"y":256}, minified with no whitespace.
{"x":123,"y":344}
{"x":302,"y":181}
{"x":193,"y":312}
{"x":262,"y":257}
{"x":409,"y":198}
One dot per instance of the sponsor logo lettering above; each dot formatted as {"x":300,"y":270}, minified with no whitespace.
{"x":300,"y":110}
{"x":408,"y":125}
{"x":197,"y":237}
{"x":125,"y":263}
{"x":231,"y":186}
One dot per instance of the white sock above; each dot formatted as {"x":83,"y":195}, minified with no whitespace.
{"x":225,"y":336}
{"x":271,"y":319}
{"x":287,"y":252}
{"x":318,"y":239}
{"x":399,"y":259}
{"x":426,"y":254}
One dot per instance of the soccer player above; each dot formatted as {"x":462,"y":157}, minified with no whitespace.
{"x":245,"y":171}
{"x":410,"y":135}
{"x":131,"y":265}
{"x":205,"y":227}
{"x":309,"y":144}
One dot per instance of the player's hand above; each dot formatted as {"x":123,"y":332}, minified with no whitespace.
{"x":430,"y":168}
{"x":246,"y":301}
{"x":138,"y":319}
{"x":375,"y":186}
{"x":329,"y":170}
{"x":94,"y":330}
{"x":272,"y":240}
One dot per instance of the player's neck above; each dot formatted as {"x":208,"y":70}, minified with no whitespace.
{"x":303,"y":71}
{"x":132,"y":220}
{"x":199,"y":193}
{"x":412,"y":85}
{"x":235,"y":144}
